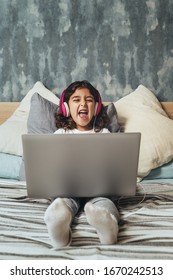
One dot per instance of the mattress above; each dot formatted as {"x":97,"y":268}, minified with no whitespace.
{"x":146,"y":226}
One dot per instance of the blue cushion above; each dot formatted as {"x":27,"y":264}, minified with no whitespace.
{"x":10,"y":166}
{"x":163,"y":172}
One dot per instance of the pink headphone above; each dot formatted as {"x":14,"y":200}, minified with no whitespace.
{"x":65,"y":111}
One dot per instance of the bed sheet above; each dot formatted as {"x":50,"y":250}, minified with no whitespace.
{"x":146,"y":226}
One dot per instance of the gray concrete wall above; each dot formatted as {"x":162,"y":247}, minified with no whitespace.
{"x":115,"y":44}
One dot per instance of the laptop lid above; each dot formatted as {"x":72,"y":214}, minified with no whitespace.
{"x":81,"y":165}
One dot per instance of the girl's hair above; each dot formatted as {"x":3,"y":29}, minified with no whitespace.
{"x":99,"y":122}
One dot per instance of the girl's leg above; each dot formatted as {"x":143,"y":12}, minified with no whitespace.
{"x":58,"y":218}
{"x":102,"y":214}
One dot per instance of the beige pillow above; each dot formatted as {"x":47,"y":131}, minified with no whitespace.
{"x":140,"y":111}
{"x":16,"y":125}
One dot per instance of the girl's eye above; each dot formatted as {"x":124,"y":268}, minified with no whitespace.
{"x":89,"y":100}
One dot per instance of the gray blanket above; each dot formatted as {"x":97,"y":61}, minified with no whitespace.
{"x":146,"y":227}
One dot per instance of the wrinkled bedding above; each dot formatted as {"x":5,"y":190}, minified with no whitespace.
{"x":146,"y":227}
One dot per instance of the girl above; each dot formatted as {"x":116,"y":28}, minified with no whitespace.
{"x":81,"y":111}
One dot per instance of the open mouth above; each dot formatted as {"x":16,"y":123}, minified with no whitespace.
{"x":83,"y":113}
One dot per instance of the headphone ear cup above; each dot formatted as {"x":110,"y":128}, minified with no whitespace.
{"x":67,"y":110}
{"x":64,"y":109}
{"x":96,"y":107}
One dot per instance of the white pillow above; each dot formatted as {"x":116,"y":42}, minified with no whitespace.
{"x":12,"y":129}
{"x":140,"y":111}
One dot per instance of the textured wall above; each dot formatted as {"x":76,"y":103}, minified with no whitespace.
{"x":115,"y":44}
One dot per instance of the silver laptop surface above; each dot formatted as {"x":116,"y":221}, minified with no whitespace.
{"x":80,"y":165}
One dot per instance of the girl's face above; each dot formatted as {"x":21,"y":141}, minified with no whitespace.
{"x":82,"y":107}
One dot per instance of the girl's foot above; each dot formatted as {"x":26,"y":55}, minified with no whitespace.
{"x":58,"y":218}
{"x":104,"y":222}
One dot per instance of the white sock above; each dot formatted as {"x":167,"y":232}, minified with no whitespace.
{"x":104,"y":222}
{"x":58,"y":218}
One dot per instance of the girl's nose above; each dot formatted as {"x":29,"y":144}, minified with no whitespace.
{"x":83,"y":103}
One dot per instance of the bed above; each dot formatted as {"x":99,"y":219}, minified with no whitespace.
{"x":146,"y":225}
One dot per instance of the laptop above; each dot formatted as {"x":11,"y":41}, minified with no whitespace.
{"x":81,"y":165}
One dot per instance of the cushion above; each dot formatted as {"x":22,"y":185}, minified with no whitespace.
{"x":10,"y":166}
{"x":112,"y":114}
{"x":40,"y":119}
{"x":12,"y":129}
{"x":140,"y":111}
{"x":41,"y":116}
{"x":163,"y":172}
